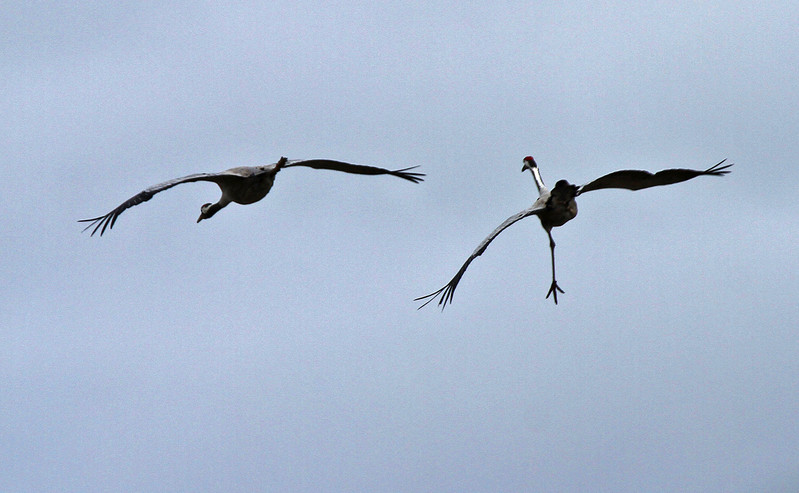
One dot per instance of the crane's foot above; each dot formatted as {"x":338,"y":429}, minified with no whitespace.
{"x":553,"y":290}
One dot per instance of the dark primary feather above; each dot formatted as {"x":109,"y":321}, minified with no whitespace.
{"x":637,"y":179}
{"x":448,"y":291}
{"x":359,"y":169}
{"x":108,"y":220}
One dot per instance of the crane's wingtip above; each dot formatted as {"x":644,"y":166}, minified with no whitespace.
{"x":420,"y":298}
{"x":92,"y":222}
{"x":719,"y":170}
{"x":100,"y":223}
{"x":431,"y":297}
{"x":413,"y":177}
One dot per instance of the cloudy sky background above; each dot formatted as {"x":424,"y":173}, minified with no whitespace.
{"x":277,"y":347}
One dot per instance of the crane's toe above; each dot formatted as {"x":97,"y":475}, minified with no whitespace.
{"x":553,"y":290}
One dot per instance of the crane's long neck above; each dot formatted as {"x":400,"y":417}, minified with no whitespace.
{"x":539,"y":182}
{"x":529,"y":163}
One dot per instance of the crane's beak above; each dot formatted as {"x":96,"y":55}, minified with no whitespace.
{"x":528,"y":164}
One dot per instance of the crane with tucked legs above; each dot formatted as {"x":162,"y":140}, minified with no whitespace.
{"x":242,"y":185}
{"x":556,"y":207}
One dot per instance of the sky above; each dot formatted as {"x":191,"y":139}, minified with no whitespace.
{"x":277,"y":346}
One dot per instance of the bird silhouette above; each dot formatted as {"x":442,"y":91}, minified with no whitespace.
{"x":242,"y":185}
{"x":556,"y":207}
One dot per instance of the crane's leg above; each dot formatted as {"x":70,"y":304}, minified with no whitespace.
{"x":554,"y":288}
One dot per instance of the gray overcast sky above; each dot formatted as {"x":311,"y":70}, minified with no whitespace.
{"x":276,"y":347}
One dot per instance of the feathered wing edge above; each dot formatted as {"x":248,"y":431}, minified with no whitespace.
{"x":637,"y":179}
{"x":358,"y":169}
{"x":108,"y":220}
{"x":446,"y":293}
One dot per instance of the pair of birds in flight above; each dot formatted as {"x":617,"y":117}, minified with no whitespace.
{"x":555,"y":207}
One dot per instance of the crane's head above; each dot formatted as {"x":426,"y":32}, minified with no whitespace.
{"x":208,"y":210}
{"x":529,"y":163}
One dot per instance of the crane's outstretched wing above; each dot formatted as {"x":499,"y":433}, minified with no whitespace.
{"x":447,"y":291}
{"x":356,"y":168}
{"x":632,"y":179}
{"x":108,"y":220}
